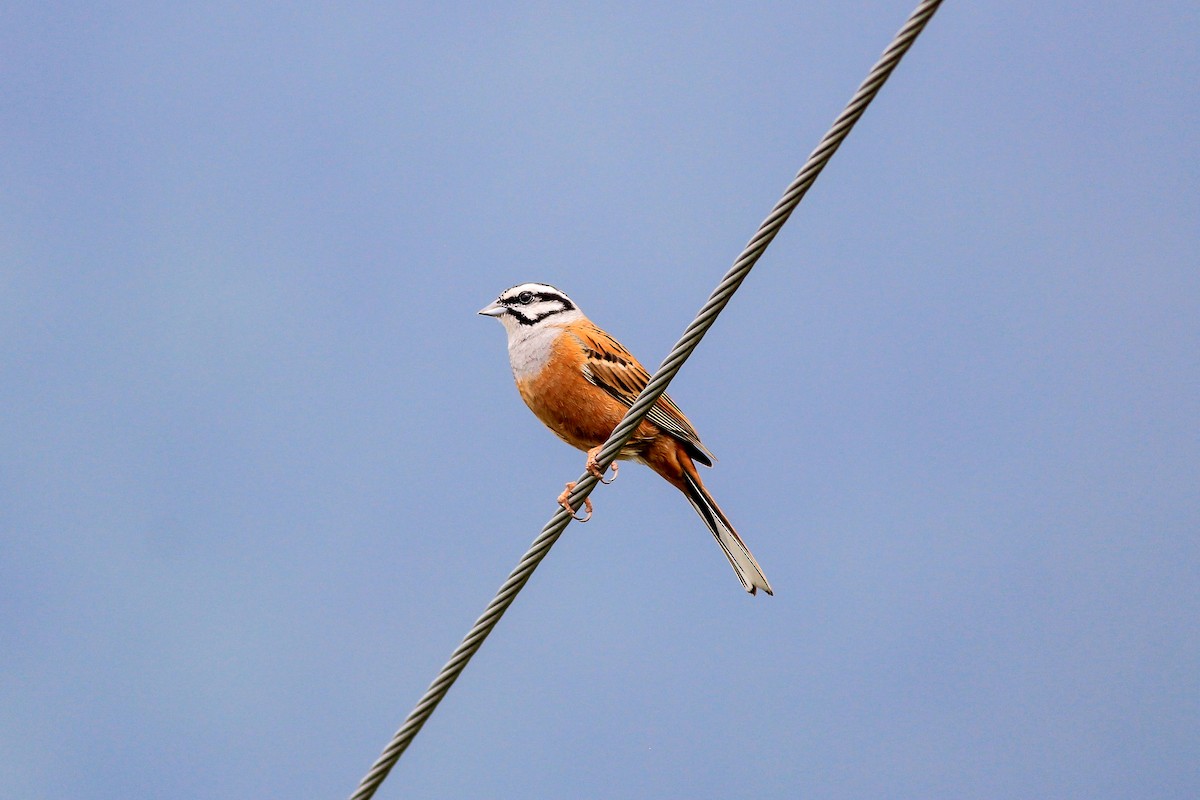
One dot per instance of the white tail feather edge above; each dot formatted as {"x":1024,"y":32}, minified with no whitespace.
{"x":744,"y":566}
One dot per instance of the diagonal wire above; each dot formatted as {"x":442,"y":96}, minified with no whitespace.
{"x":654,"y":389}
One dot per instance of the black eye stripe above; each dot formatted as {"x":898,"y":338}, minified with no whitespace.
{"x":547,"y":296}
{"x":540,"y":297}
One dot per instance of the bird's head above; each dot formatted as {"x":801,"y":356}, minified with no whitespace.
{"x":530,"y":304}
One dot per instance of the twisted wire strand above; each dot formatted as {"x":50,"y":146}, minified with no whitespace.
{"x":670,"y":366}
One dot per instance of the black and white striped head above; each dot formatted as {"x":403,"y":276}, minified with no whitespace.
{"x":530,"y":304}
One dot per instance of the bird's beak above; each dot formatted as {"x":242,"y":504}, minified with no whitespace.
{"x":493,"y":310}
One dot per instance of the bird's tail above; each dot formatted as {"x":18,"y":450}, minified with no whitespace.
{"x":747,"y":569}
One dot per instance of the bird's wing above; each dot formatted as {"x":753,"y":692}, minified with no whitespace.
{"x":610,"y":366}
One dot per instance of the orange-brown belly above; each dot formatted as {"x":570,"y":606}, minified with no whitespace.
{"x":580,"y":414}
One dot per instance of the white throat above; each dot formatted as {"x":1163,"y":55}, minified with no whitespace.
{"x":530,"y":346}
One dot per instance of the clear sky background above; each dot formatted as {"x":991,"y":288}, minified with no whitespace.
{"x":261,"y":466}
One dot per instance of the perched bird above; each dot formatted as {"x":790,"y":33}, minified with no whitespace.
{"x":580,"y":381}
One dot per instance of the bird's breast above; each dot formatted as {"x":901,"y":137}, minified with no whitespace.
{"x":577,"y":411}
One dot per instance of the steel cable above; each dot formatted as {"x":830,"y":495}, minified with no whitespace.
{"x":670,"y":366}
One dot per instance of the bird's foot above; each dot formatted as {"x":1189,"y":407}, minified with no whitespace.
{"x":594,"y":468}
{"x":564,"y":501}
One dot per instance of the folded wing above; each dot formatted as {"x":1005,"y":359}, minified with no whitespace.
{"x":611,"y":367}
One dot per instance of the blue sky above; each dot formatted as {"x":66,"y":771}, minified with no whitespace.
{"x":261,"y":466}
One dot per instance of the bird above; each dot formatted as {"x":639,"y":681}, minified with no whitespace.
{"x":579,"y":381}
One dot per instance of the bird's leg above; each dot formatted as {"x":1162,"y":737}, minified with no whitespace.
{"x":594,"y":468}
{"x":564,"y":501}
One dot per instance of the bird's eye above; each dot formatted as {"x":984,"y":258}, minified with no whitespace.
{"x":525,"y":298}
